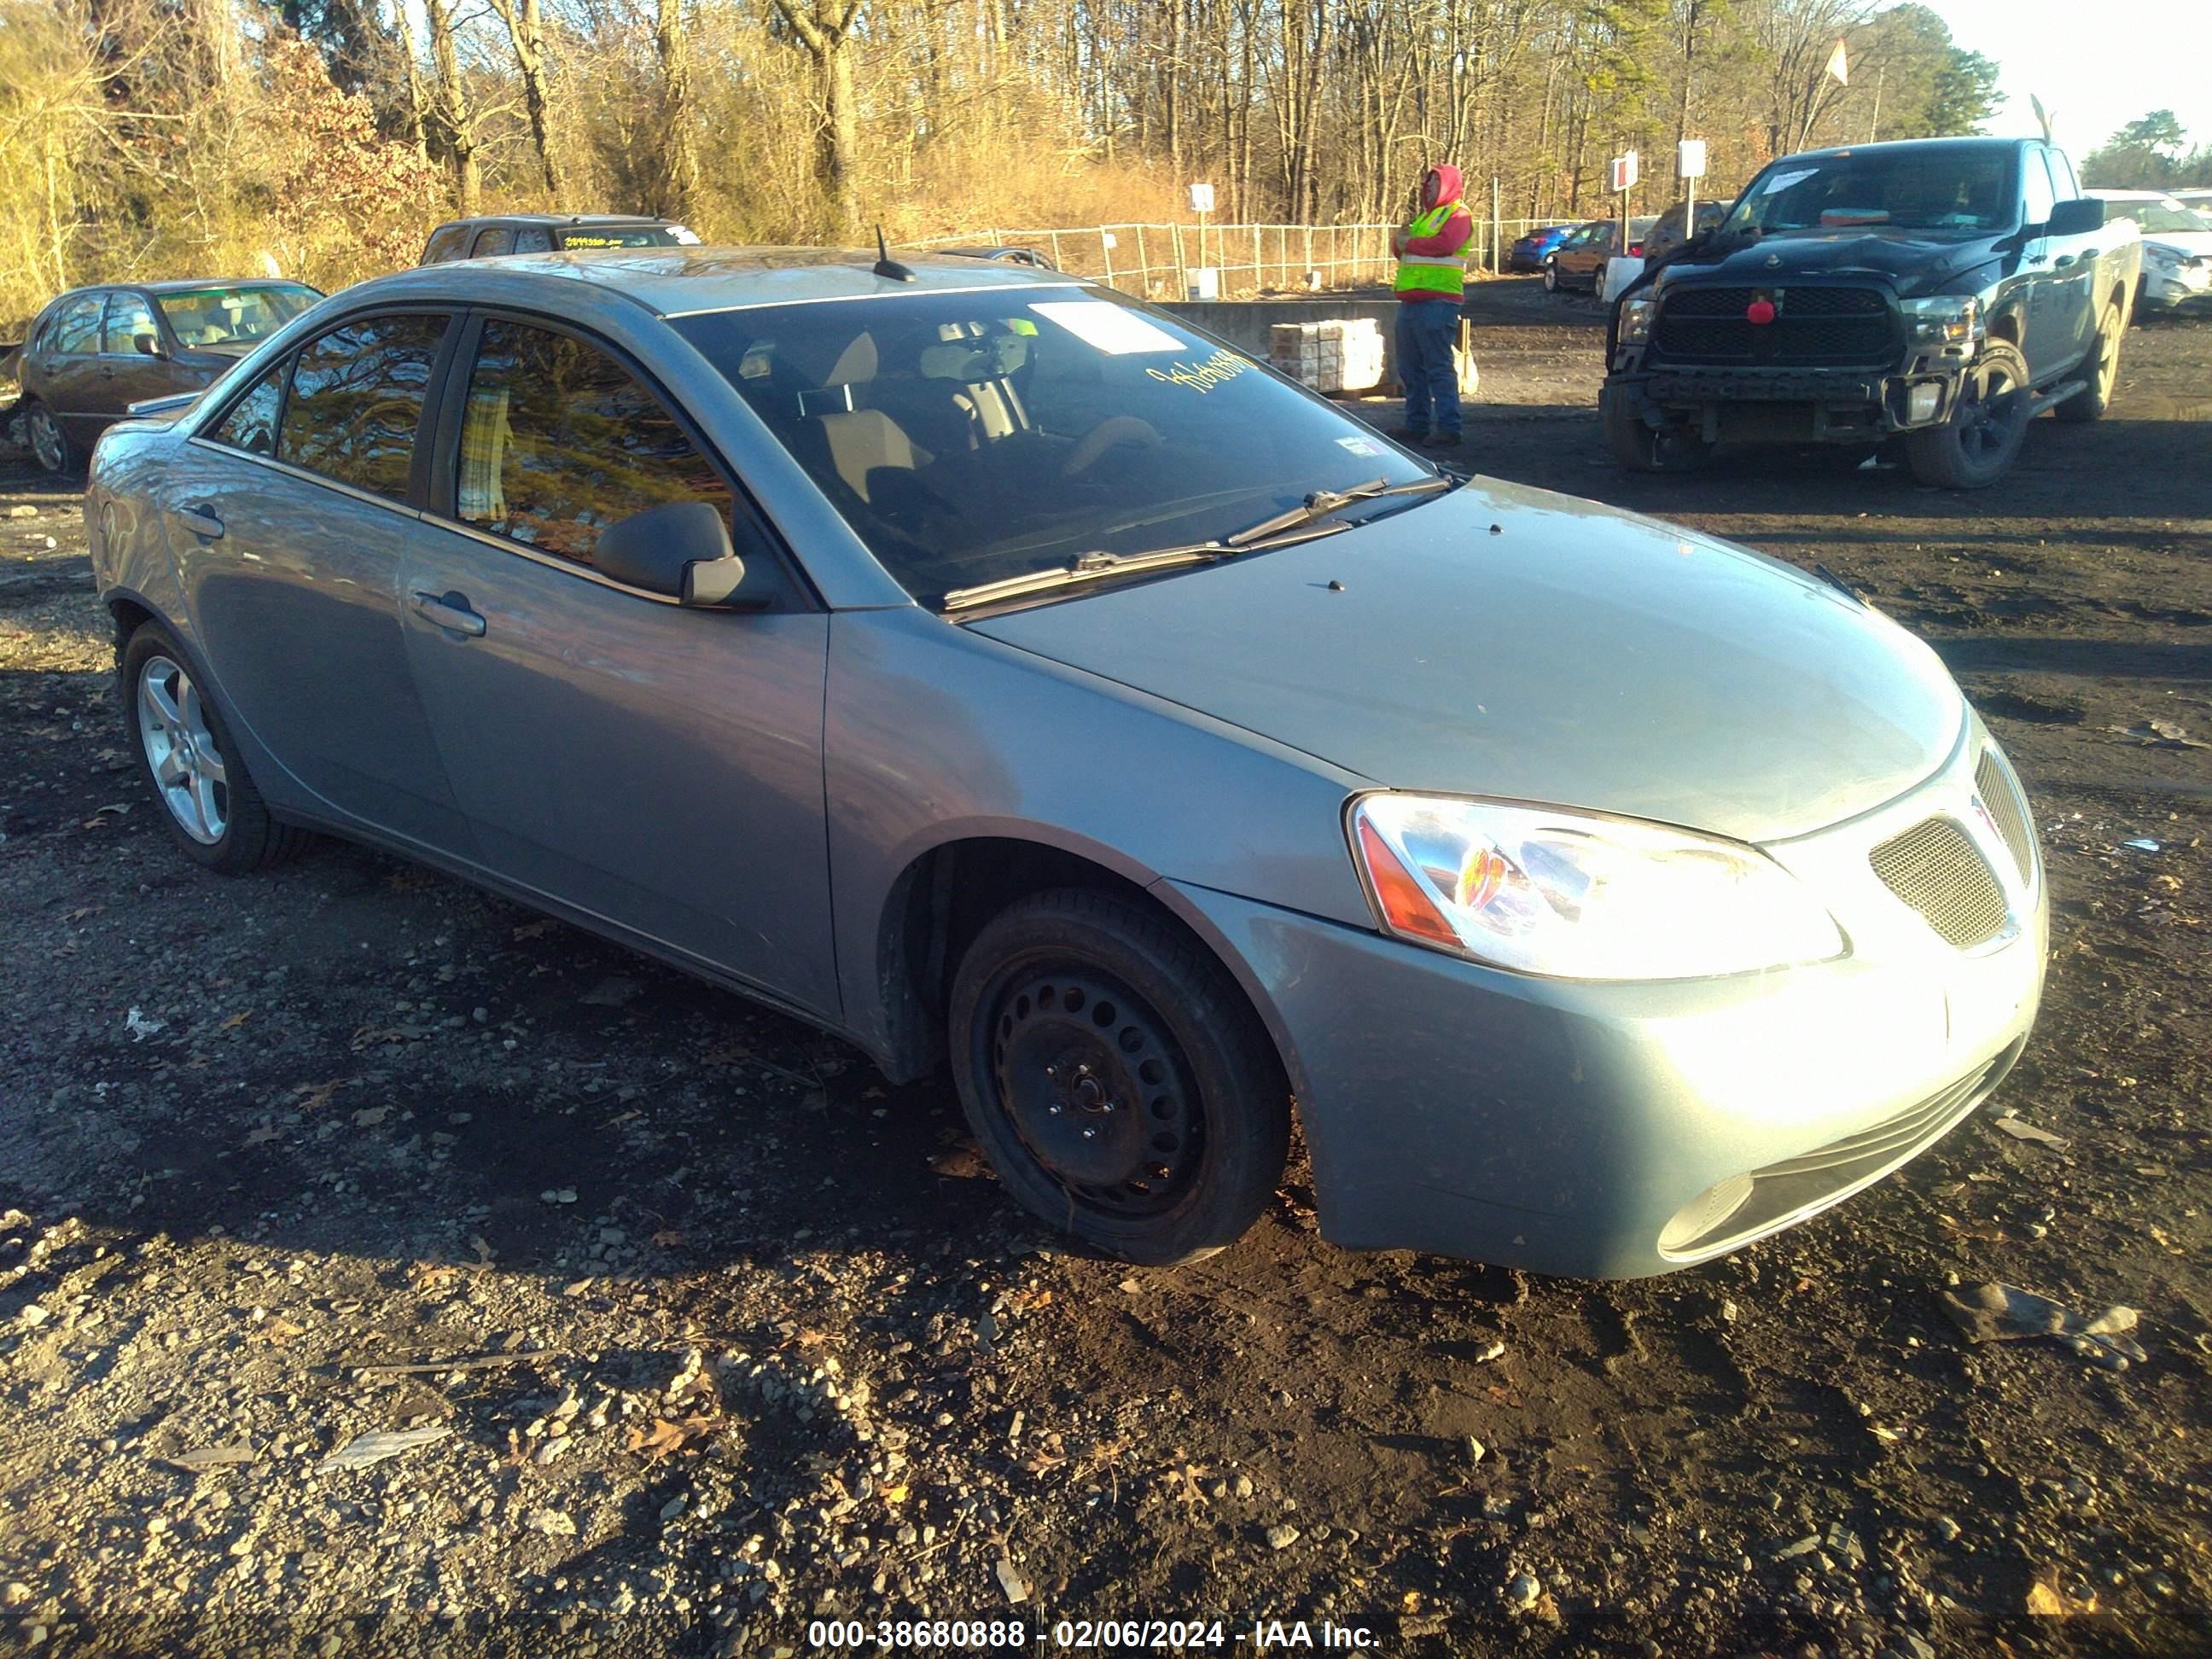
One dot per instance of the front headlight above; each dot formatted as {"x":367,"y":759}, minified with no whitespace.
{"x":1575,"y":897}
{"x":1942,"y":320}
{"x":1636,"y":313}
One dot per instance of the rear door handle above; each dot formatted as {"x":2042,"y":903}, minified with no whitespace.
{"x":449,"y":612}
{"x":200,"y":521}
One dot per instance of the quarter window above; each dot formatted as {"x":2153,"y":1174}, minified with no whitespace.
{"x":251,"y":424}
{"x":560,"y":440}
{"x":446,"y":243}
{"x":357,"y":395}
{"x":76,"y":330}
{"x":128,"y":317}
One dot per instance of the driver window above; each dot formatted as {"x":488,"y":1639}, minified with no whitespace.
{"x":2036,"y":183}
{"x":128,"y":317}
{"x":559,"y":441}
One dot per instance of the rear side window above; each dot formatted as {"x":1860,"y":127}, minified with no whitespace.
{"x":356,"y":397}
{"x":559,"y":441}
{"x":491,"y":243}
{"x":128,"y":317}
{"x":76,"y":330}
{"x":446,"y":243}
{"x":533,"y":239}
{"x":251,"y":424}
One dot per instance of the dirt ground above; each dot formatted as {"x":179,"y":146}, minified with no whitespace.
{"x":694,"y":1330}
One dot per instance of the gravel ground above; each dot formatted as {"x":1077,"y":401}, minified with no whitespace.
{"x":676,"y":1327}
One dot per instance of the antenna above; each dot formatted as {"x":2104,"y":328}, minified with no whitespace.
{"x":887,"y":266}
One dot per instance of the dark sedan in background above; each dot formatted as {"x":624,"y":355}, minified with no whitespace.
{"x":1527,"y":254}
{"x":1578,"y":262}
{"x":94,"y":351}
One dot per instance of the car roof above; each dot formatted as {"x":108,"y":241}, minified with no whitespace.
{"x":176,"y":285}
{"x":1890,"y":146}
{"x":674,"y":282}
{"x":552,"y":220}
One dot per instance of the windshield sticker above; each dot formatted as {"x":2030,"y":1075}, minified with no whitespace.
{"x":1203,"y":377}
{"x":1112,"y":329}
{"x":1359,"y":446}
{"x":1784,"y":180}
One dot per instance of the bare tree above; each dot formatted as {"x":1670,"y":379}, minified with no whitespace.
{"x":826,"y":30}
{"x":525,"y":33}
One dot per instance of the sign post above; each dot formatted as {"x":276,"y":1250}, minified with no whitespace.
{"x":1689,"y":167}
{"x":1201,"y":204}
{"x":1624,"y":181}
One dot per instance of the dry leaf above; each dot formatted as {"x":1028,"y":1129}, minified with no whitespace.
{"x":663,"y":1439}
{"x":893,"y":1494}
{"x":369,"y":1116}
{"x":425,"y":1274}
{"x":237,"y":1020}
{"x":313,"y":1095}
{"x":82,"y":911}
{"x":535,"y":929}
{"x":279,"y":1331}
{"x":668,"y":1238}
{"x":262,"y":1133}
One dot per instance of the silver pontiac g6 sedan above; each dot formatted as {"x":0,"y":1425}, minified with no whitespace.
{"x":997,"y":672}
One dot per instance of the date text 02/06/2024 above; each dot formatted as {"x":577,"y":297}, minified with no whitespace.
{"x":1087,"y":1634}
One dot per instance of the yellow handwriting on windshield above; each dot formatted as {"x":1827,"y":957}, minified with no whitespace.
{"x":1202,"y":377}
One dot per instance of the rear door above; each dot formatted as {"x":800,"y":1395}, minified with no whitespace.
{"x":656,"y":767}
{"x":290,"y":528}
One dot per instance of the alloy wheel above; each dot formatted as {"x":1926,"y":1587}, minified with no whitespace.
{"x":1094,"y":1086}
{"x":188,"y":770}
{"x":1993,"y":407}
{"x":46,"y":442}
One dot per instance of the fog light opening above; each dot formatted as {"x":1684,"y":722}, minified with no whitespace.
{"x":1921,"y":403}
{"x":1704,"y":1214}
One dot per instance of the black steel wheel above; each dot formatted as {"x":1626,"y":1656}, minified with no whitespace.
{"x":1120,"y":1084}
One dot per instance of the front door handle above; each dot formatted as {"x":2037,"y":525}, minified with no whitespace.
{"x":2063,"y":261}
{"x":200,"y":521}
{"x":451,"y":612}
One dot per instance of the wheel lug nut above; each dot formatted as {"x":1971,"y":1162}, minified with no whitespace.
{"x":1090,"y":1134}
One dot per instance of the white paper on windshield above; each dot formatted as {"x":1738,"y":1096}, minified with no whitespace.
{"x":1112,"y":329}
{"x":1359,"y":446}
{"x":1784,"y":180}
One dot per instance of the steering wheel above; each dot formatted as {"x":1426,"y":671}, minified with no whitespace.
{"x":1112,"y":433}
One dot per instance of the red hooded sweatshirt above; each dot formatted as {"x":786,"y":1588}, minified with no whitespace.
{"x":1457,"y":232}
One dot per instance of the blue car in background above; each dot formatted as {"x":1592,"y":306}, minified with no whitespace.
{"x":1527,"y":253}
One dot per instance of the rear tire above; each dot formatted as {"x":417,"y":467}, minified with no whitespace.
{"x":1640,"y":448}
{"x":51,"y":446}
{"x":208,"y":798}
{"x":2093,"y":401}
{"x":1981,"y":440}
{"x":1119,"y":1082}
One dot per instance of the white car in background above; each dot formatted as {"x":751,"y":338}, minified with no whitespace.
{"x":2177,"y":249}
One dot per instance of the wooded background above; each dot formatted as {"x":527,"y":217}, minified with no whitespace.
{"x":214,"y":137}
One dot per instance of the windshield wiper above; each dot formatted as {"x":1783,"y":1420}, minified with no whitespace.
{"x":1323,"y":502}
{"x":1084,"y":567}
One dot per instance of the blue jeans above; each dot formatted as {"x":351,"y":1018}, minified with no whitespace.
{"x":1426,"y":331}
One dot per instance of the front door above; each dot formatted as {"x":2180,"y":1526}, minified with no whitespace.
{"x":656,"y":767}
{"x":127,"y":373}
{"x":290,"y":528}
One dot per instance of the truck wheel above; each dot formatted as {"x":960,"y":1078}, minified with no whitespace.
{"x":1639,"y":448}
{"x":1978,"y":444}
{"x":2094,"y":399}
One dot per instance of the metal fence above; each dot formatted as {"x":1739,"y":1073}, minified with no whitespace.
{"x":1157,"y":261}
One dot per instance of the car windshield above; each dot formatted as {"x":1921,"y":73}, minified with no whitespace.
{"x":971,"y":437}
{"x":592,"y":236}
{"x":234,"y":314}
{"x":2155,"y":215}
{"x":1965,"y":192}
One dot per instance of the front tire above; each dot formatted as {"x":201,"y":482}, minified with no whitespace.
{"x":207,"y":799}
{"x":1120,"y":1084}
{"x":1551,"y":275}
{"x":50,"y":443}
{"x":1978,"y":444}
{"x":2093,"y":401}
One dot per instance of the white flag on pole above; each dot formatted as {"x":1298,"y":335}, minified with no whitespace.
{"x":1838,"y":66}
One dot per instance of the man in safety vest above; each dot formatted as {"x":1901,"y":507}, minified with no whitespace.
{"x":1431,"y":271}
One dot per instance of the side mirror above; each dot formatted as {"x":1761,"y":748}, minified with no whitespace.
{"x":682,"y":550}
{"x":147,"y":345}
{"x":2083,"y":217}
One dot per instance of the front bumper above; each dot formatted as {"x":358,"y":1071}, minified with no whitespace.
{"x":1617,"y":1130}
{"x":1800,"y":405}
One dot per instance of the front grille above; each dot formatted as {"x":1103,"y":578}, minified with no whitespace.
{"x":2007,"y":809}
{"x":1935,"y":869}
{"x":1830,"y":327}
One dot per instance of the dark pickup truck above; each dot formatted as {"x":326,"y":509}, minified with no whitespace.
{"x":1944,"y":291}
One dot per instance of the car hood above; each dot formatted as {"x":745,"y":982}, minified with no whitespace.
{"x":1911,"y":263}
{"x":1510,"y":643}
{"x":2186,"y":242}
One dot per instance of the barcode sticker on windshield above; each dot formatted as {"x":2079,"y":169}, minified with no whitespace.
{"x":1784,"y":180}
{"x":1112,"y":329}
